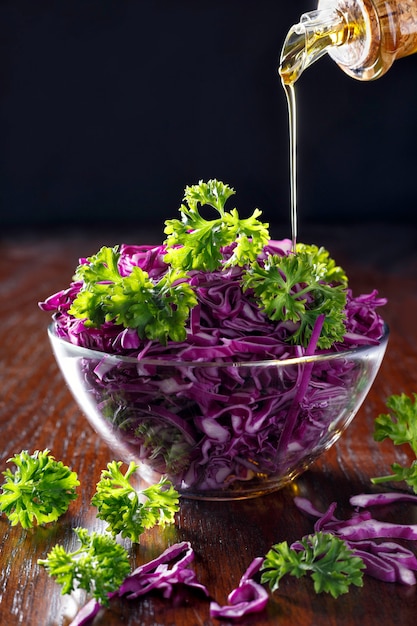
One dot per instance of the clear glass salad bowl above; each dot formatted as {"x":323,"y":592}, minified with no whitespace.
{"x":219,"y":430}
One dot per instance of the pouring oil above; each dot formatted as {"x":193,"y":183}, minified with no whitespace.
{"x":292,"y":127}
{"x":305,"y":43}
{"x":364,"y":37}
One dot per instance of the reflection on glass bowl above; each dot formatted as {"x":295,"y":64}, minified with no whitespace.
{"x":219,"y":430}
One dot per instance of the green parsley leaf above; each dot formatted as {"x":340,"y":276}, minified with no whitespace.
{"x":99,"y":565}
{"x":40,"y":489}
{"x":324,"y":266}
{"x":196,"y":243}
{"x":332,"y":565}
{"x":101,"y":267}
{"x":158,"y":311}
{"x":119,"y":504}
{"x":299,"y":288}
{"x":400,"y":426}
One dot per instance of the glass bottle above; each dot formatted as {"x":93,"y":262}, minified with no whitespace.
{"x":364,"y":37}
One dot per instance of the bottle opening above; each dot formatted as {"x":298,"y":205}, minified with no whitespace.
{"x":309,"y":40}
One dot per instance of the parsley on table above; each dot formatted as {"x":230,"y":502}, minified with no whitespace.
{"x":332,"y":565}
{"x":157,"y":310}
{"x":119,"y":503}
{"x":40,"y":489}
{"x":196,"y":243}
{"x":99,"y":565}
{"x":400,"y":426}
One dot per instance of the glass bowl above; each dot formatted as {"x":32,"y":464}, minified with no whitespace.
{"x":219,"y":430}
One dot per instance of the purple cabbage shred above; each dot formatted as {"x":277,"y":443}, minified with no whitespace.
{"x":385,"y":560}
{"x":248,"y":597}
{"x":163,"y":574}
{"x":216,"y":427}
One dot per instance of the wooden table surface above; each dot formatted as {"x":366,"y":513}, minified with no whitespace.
{"x":37,"y":412}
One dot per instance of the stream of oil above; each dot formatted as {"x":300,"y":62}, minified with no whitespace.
{"x":292,"y":126}
{"x":298,"y":53}
{"x":291,"y":66}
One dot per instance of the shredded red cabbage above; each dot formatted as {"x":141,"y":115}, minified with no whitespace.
{"x":387,"y":561}
{"x":248,"y":597}
{"x":196,"y":424}
{"x":87,"y":613}
{"x":163,"y":574}
{"x":375,"y":499}
{"x":227,"y":320}
{"x":172,"y":568}
{"x":157,"y":574}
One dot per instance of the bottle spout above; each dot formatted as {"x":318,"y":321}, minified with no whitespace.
{"x":309,"y":40}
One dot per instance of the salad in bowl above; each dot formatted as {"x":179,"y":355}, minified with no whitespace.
{"x":221,"y":359}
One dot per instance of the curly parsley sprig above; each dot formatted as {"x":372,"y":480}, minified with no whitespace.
{"x":299,"y":288}
{"x":39,"y":490}
{"x":99,"y":565}
{"x":332,"y":565}
{"x":400,"y":426}
{"x":119,"y":503}
{"x":157,"y":310}
{"x":196,"y":243}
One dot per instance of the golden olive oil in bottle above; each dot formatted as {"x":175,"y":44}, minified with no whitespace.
{"x":364,"y":38}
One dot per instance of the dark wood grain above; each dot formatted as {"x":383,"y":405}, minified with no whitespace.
{"x":37,"y":411}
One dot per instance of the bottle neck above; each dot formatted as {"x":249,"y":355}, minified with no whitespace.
{"x":364,"y":37}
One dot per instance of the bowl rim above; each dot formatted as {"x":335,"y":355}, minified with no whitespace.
{"x":314,"y":358}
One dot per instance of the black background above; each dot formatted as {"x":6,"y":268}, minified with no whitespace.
{"x":108,"y":109}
